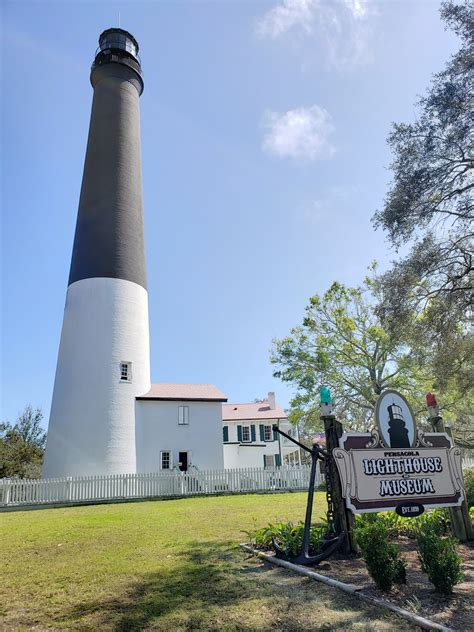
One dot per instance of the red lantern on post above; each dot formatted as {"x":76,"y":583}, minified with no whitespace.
{"x":433,"y":409}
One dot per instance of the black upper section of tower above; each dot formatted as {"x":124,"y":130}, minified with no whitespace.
{"x":117,"y":46}
{"x":109,"y":237}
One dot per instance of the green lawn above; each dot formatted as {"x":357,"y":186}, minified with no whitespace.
{"x":163,"y":565}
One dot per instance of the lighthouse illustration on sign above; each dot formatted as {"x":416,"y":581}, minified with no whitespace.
{"x":104,"y":360}
{"x":395,"y":420}
{"x":396,"y":428}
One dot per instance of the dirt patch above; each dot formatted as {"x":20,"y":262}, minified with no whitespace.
{"x":417,"y":595}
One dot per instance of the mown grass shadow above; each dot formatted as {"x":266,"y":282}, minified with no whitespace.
{"x":196,"y":581}
{"x":211,"y":586}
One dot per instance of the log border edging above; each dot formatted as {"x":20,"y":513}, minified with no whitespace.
{"x":350,"y":589}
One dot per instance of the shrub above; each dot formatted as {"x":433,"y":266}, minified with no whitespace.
{"x":436,"y":520}
{"x":382,"y":558}
{"x":399,"y":526}
{"x":469,"y":485}
{"x":288,"y":537}
{"x":438,"y":556}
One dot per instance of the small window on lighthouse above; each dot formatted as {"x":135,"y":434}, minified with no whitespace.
{"x":125,"y":371}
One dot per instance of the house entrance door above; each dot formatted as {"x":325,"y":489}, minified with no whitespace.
{"x":183,"y":461}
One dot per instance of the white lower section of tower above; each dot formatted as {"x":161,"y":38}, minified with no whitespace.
{"x":92,"y":422}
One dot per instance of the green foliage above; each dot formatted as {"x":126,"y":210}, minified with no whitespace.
{"x":287,"y":536}
{"x":469,"y":486}
{"x":382,"y":558}
{"x":343,"y":342}
{"x":399,"y":526}
{"x":438,"y":555}
{"x":351,"y":341}
{"x":22,"y":445}
{"x":433,"y":181}
{"x":436,"y":521}
{"x":430,"y":204}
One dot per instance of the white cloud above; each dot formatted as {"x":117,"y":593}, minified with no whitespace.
{"x":341,"y":28}
{"x":359,"y":8}
{"x":303,"y":133}
{"x":285,"y":16}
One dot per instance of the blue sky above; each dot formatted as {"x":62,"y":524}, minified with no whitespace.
{"x":264,"y":157}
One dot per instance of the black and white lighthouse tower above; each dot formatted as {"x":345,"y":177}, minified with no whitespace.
{"x":103,"y":362}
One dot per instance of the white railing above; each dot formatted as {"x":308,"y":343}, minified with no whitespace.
{"x":467,"y":462}
{"x":16,"y":492}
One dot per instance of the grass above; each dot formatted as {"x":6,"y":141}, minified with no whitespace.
{"x":163,"y":565}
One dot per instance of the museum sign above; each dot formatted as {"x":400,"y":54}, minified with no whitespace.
{"x":398,"y":466}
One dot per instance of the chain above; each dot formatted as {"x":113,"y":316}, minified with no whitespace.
{"x":330,"y":511}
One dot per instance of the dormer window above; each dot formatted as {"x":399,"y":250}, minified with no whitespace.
{"x":125,"y":371}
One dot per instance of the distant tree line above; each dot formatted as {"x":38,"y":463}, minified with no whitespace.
{"x":22,"y":445}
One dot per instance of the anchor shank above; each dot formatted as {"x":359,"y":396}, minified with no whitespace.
{"x":309,"y":506}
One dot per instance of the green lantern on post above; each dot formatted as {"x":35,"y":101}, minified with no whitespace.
{"x":325,"y":402}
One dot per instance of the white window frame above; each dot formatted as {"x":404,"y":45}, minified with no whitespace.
{"x":183,"y":415}
{"x":170,"y":460}
{"x":270,"y":437}
{"x":249,"y":440}
{"x":128,"y":379}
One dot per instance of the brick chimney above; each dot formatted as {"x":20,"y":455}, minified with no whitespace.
{"x":271,"y":400}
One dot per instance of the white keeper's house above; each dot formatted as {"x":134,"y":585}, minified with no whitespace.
{"x":249,"y":438}
{"x":187,"y":426}
{"x":179,"y":426}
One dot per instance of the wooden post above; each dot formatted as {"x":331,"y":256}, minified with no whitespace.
{"x":343,"y":517}
{"x":460,"y":518}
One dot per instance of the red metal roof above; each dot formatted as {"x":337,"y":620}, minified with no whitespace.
{"x":198,"y":392}
{"x":260,"y":410}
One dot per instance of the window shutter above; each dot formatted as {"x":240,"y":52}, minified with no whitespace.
{"x":277,"y":460}
{"x":264,"y":458}
{"x":275,"y":435}
{"x":225,"y":431}
{"x":252,"y":431}
{"x":262,"y":432}
{"x":239,"y":434}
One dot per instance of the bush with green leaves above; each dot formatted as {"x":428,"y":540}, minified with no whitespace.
{"x":469,"y":485}
{"x":438,"y":555}
{"x":382,"y":557}
{"x":287,"y":536}
{"x":399,"y":526}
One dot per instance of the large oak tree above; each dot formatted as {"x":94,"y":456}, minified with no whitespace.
{"x":430,"y":203}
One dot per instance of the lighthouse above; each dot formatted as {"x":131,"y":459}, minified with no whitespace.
{"x":103,"y":361}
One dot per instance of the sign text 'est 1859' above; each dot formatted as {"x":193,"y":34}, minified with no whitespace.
{"x":409,"y":510}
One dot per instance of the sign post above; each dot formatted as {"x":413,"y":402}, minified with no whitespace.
{"x":344,"y":520}
{"x":460,"y":519}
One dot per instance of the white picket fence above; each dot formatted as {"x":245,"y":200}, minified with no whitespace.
{"x":17,"y":492}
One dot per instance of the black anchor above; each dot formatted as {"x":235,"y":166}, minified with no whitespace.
{"x":331,"y":543}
